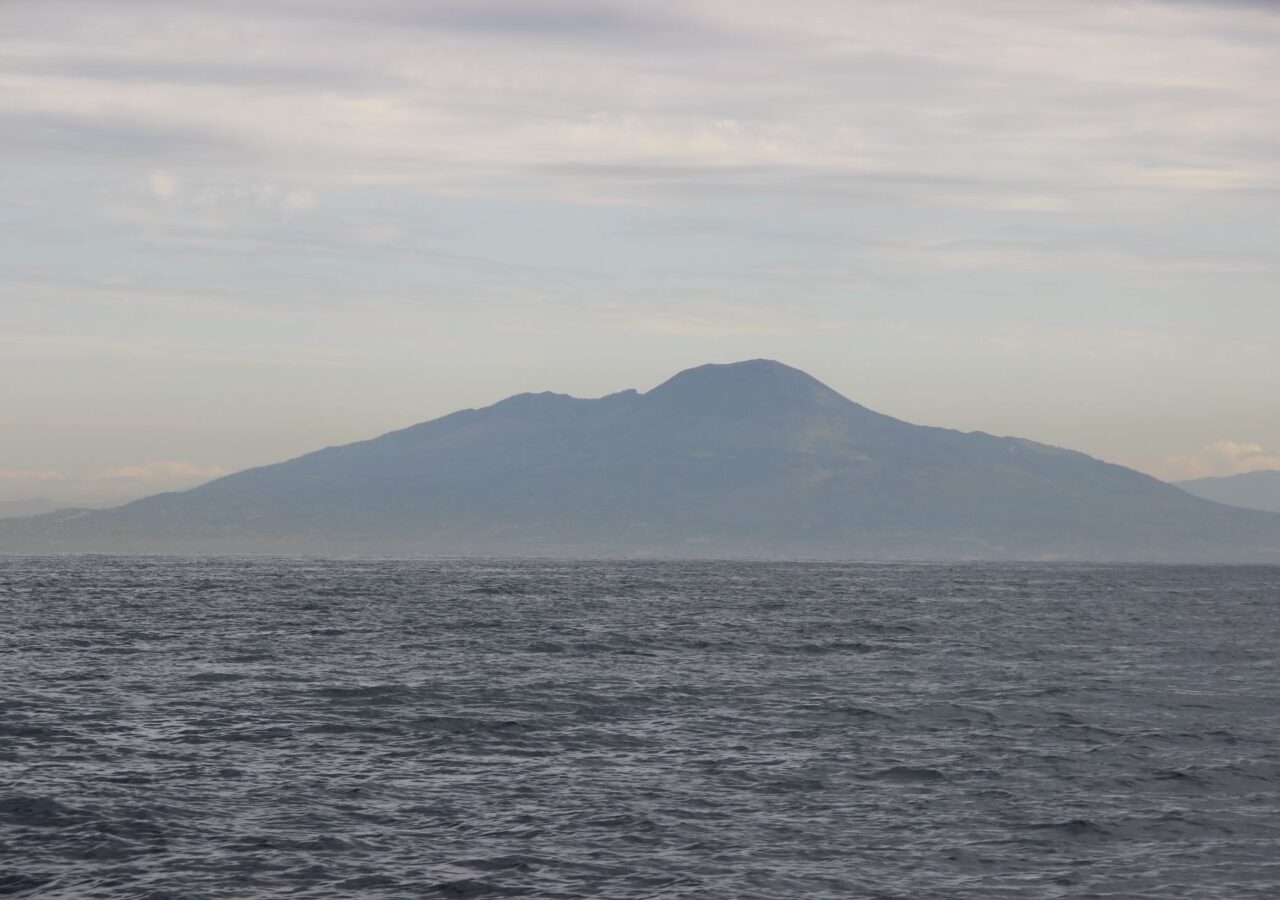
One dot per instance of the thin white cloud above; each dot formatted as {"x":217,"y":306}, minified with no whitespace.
{"x":64,"y":345}
{"x":163,"y":470}
{"x":30,"y":475}
{"x":297,"y":201}
{"x":162,"y":184}
{"x":118,"y":484}
{"x":1218,"y":459}
{"x":1083,"y":343}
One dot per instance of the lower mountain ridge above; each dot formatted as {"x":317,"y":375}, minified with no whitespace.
{"x":751,"y":459}
{"x":1252,"y":490}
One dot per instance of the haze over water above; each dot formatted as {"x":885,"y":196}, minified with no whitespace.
{"x":233,"y":728}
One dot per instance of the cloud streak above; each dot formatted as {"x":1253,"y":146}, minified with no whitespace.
{"x":1063,"y":95}
{"x":1218,"y":459}
{"x":115,"y":485}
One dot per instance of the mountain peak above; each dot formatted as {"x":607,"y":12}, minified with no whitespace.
{"x":747,"y":368}
{"x":753,"y":385}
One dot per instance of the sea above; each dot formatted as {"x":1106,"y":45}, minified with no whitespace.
{"x":261,"y":727}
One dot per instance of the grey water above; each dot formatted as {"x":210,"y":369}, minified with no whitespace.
{"x":270,"y":727}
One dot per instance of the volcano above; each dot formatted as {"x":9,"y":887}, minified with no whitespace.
{"x":746,"y":460}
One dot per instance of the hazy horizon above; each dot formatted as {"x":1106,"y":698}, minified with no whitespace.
{"x":236,"y":233}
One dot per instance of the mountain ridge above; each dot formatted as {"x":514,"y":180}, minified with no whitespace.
{"x":747,"y":459}
{"x":1258,"y":490}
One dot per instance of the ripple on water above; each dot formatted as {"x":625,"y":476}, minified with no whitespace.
{"x":270,"y":728}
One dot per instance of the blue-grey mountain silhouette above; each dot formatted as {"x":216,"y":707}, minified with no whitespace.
{"x":742,"y":460}
{"x":1252,"y":490}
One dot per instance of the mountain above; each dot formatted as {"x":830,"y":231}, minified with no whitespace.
{"x":1252,"y":490}
{"x":743,"y":460}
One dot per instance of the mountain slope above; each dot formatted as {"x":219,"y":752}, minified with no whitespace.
{"x":748,"y":459}
{"x":1252,"y":490}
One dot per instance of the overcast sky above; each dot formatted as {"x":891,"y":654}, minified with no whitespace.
{"x":233,"y":232}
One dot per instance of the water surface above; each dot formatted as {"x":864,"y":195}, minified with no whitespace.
{"x":236,"y":728}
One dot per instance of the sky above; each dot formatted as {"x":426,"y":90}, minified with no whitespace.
{"x":232,"y":232}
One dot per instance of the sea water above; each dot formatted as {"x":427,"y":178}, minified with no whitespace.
{"x":308,"y":728}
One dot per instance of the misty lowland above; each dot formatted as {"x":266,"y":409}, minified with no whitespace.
{"x":751,"y":459}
